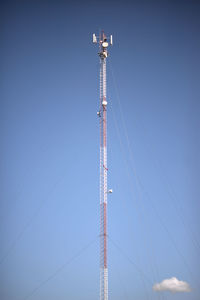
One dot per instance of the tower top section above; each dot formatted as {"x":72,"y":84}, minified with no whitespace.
{"x":103,"y":42}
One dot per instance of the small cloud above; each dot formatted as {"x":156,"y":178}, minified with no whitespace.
{"x":173,"y":285}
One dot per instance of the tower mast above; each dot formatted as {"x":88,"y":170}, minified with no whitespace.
{"x":102,"y":113}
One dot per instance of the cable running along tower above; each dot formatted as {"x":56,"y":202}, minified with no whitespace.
{"x":102,"y":113}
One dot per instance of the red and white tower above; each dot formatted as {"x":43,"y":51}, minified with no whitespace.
{"x":102,"y":113}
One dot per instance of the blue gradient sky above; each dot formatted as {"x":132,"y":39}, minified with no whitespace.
{"x":49,"y":178}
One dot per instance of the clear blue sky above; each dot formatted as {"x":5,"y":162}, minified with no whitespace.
{"x":49,"y":180}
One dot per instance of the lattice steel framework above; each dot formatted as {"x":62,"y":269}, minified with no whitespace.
{"x":102,"y":113}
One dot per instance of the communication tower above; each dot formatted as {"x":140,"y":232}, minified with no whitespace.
{"x":103,"y":42}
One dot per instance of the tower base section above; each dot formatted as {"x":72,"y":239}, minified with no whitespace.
{"x":103,"y":283}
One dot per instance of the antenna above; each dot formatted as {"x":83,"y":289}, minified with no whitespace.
{"x":102,"y":114}
{"x":94,"y":38}
{"x":111,"y":40}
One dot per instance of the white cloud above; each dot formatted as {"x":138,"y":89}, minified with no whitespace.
{"x":173,"y":285}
